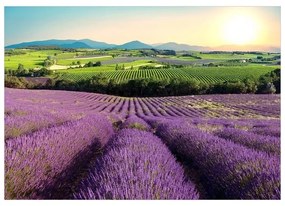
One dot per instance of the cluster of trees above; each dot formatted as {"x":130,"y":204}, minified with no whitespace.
{"x":191,"y":55}
{"x":233,"y":53}
{"x":166,"y":52}
{"x":226,"y":63}
{"x":269,"y":83}
{"x":76,"y":63}
{"x":49,"y":61}
{"x":22,"y":72}
{"x":93,"y":64}
{"x":18,"y":82}
{"x":154,"y":52}
{"x":263,"y":59}
{"x":12,"y":52}
{"x":122,"y":67}
{"x":248,"y":52}
{"x":143,"y":67}
{"x":147,"y":67}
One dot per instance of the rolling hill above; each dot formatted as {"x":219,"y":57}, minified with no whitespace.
{"x":180,"y":47}
{"x":90,"y":44}
{"x":134,"y":45}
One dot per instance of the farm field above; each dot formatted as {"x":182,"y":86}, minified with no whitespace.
{"x":125,"y":65}
{"x":142,"y":103}
{"x":231,"y":56}
{"x":203,"y":74}
{"x":31,"y":58}
{"x":93,"y":146}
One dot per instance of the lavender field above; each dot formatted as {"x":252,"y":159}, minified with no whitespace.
{"x":78,"y":145}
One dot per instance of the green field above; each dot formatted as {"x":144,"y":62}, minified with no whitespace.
{"x":203,"y":74}
{"x":232,"y":56}
{"x":35,"y":59}
{"x":31,"y":59}
{"x":130,"y":70}
{"x":226,"y":56}
{"x":70,"y":61}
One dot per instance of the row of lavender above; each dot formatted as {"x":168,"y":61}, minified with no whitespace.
{"x":122,"y":161}
{"x":208,"y":106}
{"x":69,"y":129}
{"x":35,"y":163}
{"x":136,"y":165}
{"x":39,"y":164}
{"x":233,"y":167}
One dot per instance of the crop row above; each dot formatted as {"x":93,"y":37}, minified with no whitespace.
{"x":230,"y":170}
{"x":136,"y":165}
{"x":34,"y":162}
{"x":236,"y":158}
{"x":22,"y":121}
{"x":202,"y":74}
{"x":161,"y":74}
{"x":213,"y":106}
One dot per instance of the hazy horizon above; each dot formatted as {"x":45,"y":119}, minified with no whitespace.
{"x":201,"y":26}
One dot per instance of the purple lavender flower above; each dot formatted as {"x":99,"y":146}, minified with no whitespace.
{"x":136,"y":123}
{"x":136,"y":165}
{"x":33,"y":161}
{"x":230,"y":171}
{"x":254,"y":141}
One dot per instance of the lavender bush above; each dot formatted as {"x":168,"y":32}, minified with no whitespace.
{"x":51,"y":137}
{"x":136,"y":123}
{"x":254,"y":141}
{"x":136,"y":165}
{"x":230,"y":171}
{"x":32,"y":162}
{"x":273,"y":131}
{"x":32,"y":120}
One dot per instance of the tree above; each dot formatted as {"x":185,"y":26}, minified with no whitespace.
{"x":47,"y":63}
{"x":89,"y":64}
{"x":10,"y":72}
{"x":267,"y":88}
{"x":250,"y":84}
{"x":18,"y":82}
{"x":50,"y":83}
{"x":112,"y":86}
{"x":269,"y":82}
{"x":20,"y":67}
{"x":97,"y":64}
{"x":211,"y":65}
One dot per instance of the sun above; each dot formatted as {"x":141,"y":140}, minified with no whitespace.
{"x":240,"y":29}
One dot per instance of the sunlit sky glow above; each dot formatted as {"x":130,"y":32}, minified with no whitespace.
{"x":204,"y":26}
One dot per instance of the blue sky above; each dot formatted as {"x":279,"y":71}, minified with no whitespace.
{"x":192,"y":25}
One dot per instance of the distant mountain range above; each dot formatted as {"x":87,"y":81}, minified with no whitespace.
{"x":181,"y":47}
{"x":90,"y":44}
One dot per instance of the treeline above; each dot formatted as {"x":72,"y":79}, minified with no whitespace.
{"x":233,"y":52}
{"x":266,"y":84}
{"x":191,"y":55}
{"x":22,"y":72}
{"x":155,"y":52}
